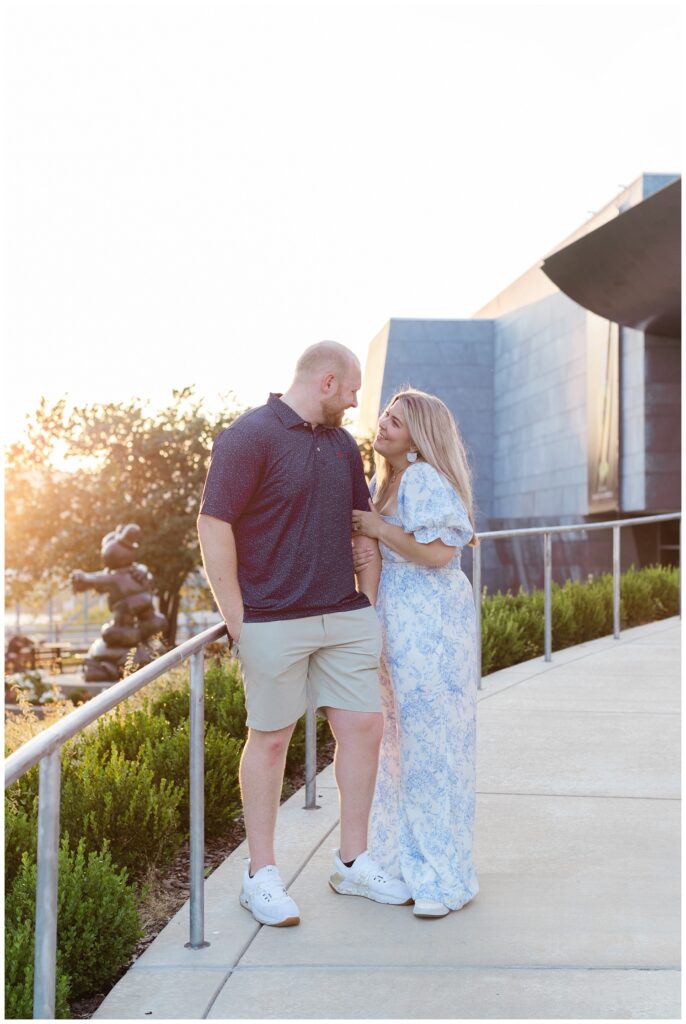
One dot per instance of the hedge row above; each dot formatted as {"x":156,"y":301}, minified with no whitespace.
{"x":512,"y":624}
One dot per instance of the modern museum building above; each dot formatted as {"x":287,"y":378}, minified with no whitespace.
{"x":566,"y":388}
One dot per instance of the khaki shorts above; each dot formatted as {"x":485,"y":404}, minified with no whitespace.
{"x":321,"y":661}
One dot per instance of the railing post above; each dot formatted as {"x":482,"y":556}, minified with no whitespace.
{"x":45,"y":960}
{"x":681,"y":575}
{"x":476,"y":586}
{"x":197,"y":801}
{"x":547,"y":591}
{"x":310,"y":760}
{"x":615,"y":581}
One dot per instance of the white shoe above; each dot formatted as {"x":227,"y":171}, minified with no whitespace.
{"x":429,"y":908}
{"x":365,"y":878}
{"x":265,"y":896}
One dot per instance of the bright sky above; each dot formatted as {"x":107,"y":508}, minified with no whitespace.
{"x":194,"y":192}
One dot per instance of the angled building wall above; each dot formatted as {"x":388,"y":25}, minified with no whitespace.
{"x":452,"y":359}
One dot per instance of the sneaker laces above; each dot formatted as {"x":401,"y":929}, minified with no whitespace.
{"x":269,"y":890}
{"x":372,"y":874}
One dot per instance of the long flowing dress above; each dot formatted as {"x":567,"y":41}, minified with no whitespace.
{"x":422,"y":819}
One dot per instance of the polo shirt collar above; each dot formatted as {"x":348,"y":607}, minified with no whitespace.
{"x":289,"y":417}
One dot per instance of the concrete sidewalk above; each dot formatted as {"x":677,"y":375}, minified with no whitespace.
{"x":577,"y":852}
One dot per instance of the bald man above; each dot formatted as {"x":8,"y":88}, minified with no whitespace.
{"x":275,"y":533}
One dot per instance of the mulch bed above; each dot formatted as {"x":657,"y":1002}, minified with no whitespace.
{"x":168,"y":893}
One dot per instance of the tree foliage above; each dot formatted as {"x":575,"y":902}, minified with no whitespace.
{"x":366,"y":449}
{"x":121,"y":463}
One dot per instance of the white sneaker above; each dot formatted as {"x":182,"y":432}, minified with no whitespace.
{"x":429,"y":908}
{"x":265,"y":896}
{"x":365,"y":878}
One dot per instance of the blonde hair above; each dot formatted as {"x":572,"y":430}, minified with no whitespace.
{"x":435,"y":435}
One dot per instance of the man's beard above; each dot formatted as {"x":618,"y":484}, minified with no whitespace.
{"x":333,"y":415}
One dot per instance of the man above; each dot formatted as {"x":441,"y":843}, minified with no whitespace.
{"x":275,"y":528}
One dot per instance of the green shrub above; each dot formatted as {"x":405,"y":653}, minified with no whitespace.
{"x":97,"y":922}
{"x":511,"y":629}
{"x":636,"y":602}
{"x":649,"y":594}
{"x":169,"y":759}
{"x":129,"y":731}
{"x":173,"y":707}
{"x":19,"y":954}
{"x":512,"y":625}
{"x":158,"y":735}
{"x":222,"y":789}
{"x":224,"y":700}
{"x":589,"y":611}
{"x":24,"y":792}
{"x":79,"y":696}
{"x":105,"y":797}
{"x":20,"y":837}
{"x":225,"y":697}
{"x":664,"y":588}
{"x":295,"y":758}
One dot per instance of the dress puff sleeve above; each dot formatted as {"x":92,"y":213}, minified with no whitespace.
{"x":430,"y":508}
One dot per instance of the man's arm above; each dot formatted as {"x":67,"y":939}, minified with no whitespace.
{"x":368,"y":578}
{"x":218,"y":547}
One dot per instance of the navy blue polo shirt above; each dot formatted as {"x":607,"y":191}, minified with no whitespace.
{"x":288,"y":492}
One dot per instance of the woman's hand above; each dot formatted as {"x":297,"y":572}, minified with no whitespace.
{"x":367,"y":524}
{"x":363,"y":555}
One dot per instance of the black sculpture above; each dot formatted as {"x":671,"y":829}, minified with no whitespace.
{"x":128,"y":638}
{"x":20,"y":654}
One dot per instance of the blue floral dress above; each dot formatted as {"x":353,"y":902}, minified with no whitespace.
{"x":422,"y":818}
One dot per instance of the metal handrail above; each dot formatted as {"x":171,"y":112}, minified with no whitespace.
{"x":31,"y":752}
{"x":45,"y":750}
{"x":547,"y":532}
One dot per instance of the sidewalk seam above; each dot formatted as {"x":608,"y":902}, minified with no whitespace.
{"x":585,"y":711}
{"x":422,"y":968}
{"x":580,"y":796}
{"x":231,"y":970}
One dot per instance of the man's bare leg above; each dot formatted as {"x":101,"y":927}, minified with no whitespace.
{"x":261,"y":778}
{"x":358,"y":738}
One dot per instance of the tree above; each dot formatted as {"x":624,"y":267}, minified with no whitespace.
{"x":366,"y":448}
{"x":123,"y":463}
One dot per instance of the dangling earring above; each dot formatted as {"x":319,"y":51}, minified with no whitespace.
{"x":411,"y":456}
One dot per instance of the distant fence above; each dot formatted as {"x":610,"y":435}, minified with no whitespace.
{"x":83,"y":634}
{"x":547,"y":533}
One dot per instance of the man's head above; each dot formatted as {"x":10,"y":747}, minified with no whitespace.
{"x":329,"y":375}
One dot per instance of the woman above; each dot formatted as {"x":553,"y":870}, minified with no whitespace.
{"x":421,"y":514}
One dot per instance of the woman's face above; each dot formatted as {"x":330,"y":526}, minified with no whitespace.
{"x":392,"y":437}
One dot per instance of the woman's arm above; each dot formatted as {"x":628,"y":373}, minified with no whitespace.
{"x":370,"y":524}
{"x":434,"y":554}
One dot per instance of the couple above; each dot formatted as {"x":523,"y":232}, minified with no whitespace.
{"x":275,"y":526}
